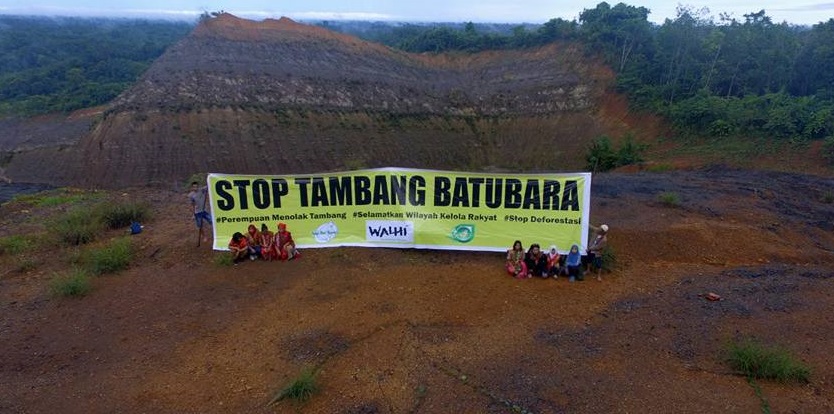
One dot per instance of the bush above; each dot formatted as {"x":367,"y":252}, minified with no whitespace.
{"x":602,"y":156}
{"x":755,"y":360}
{"x":15,"y":244}
{"x":301,"y":389}
{"x":111,"y":258}
{"x":76,"y":283}
{"x":77,"y":227}
{"x":669,"y":198}
{"x":119,"y":215}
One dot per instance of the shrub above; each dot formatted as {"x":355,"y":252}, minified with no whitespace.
{"x":602,"y":156}
{"x":657,"y":168}
{"x":300,"y":389}
{"x":25,"y":264}
{"x":15,"y":244}
{"x":77,"y":283}
{"x":828,"y":197}
{"x":77,"y":227}
{"x":119,"y":215}
{"x":669,"y":198}
{"x":111,"y":258}
{"x":755,"y":360}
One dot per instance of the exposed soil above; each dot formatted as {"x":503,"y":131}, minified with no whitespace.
{"x":394,"y":331}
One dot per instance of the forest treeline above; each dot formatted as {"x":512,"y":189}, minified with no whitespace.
{"x":745,"y":76}
{"x":717,"y":77}
{"x":63,"y":64}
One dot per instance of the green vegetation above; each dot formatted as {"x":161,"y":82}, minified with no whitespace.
{"x":110,"y":258}
{"x":827,"y":197}
{"x":51,"y":198}
{"x":609,"y":258}
{"x":77,"y":226}
{"x":602,"y":156}
{"x":77,"y":283}
{"x":669,"y":198}
{"x":758,"y":361}
{"x":300,"y":389}
{"x":828,"y":149}
{"x":62,"y":64}
{"x":15,"y":244}
{"x":119,"y":215}
{"x":223,"y":259}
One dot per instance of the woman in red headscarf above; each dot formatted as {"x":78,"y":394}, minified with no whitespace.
{"x":284,"y":243}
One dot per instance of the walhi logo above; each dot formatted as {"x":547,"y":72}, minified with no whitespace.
{"x":389,"y":231}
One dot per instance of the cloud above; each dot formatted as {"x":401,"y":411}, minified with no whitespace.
{"x":808,"y":7}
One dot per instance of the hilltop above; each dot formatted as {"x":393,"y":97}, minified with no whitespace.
{"x":278,"y":96}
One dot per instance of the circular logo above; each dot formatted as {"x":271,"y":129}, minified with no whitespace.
{"x":463,"y":233}
{"x":326,"y":232}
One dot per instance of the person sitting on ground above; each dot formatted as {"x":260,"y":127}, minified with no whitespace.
{"x":253,"y":242}
{"x":574,"y":263}
{"x":284,"y":243}
{"x":268,"y":243}
{"x":536,"y":261}
{"x":237,"y":246}
{"x":553,"y":259}
{"x":595,"y":249}
{"x":515,"y":261}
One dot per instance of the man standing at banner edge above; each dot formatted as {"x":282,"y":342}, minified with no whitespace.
{"x":407,"y":208}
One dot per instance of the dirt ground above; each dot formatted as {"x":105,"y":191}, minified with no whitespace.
{"x":411,"y":331}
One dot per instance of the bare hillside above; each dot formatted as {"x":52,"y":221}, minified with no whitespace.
{"x":277,"y":96}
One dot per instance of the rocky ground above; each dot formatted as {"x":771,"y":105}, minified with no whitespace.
{"x":394,"y":331}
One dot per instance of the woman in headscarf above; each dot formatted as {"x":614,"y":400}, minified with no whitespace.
{"x":553,"y":258}
{"x":284,"y":243}
{"x":268,"y":243}
{"x":536,"y":261}
{"x":253,"y":242}
{"x":237,"y":246}
{"x":574,"y":263}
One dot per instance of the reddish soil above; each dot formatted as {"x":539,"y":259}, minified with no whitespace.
{"x":395,"y":331}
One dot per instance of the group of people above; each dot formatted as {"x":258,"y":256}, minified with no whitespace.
{"x":263,"y":244}
{"x":256,"y":244}
{"x":535,"y":262}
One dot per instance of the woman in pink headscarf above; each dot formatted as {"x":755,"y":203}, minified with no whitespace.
{"x":284,"y":243}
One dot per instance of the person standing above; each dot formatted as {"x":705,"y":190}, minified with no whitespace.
{"x":595,"y":249}
{"x":199,"y":205}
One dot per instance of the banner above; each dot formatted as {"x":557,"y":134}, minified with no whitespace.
{"x":406,"y":208}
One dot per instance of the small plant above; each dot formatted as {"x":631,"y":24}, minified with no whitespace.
{"x":669,"y":198}
{"x":224,"y":259}
{"x":609,"y":258}
{"x":300,"y":389}
{"x":77,"y":283}
{"x":111,"y":258}
{"x":758,"y":361}
{"x":119,"y":215}
{"x":828,"y":149}
{"x":15,"y":244}
{"x":77,"y":227}
{"x":25,"y":264}
{"x":828,"y":197}
{"x":658,"y":168}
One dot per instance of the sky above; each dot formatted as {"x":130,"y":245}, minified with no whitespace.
{"x":801,"y":12}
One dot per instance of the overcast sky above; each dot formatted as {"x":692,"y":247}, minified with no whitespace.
{"x":500,"y":11}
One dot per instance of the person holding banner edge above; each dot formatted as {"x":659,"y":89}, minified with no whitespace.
{"x":199,"y":203}
{"x":596,"y":248}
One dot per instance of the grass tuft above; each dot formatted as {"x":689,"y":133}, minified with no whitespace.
{"x":670,"y":199}
{"x":828,"y":197}
{"x":75,"y":284}
{"x":300,"y":389}
{"x":224,"y":259}
{"x":15,"y":244}
{"x":77,"y":227}
{"x":756,"y":360}
{"x":119,"y":215}
{"x":111,"y":258}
